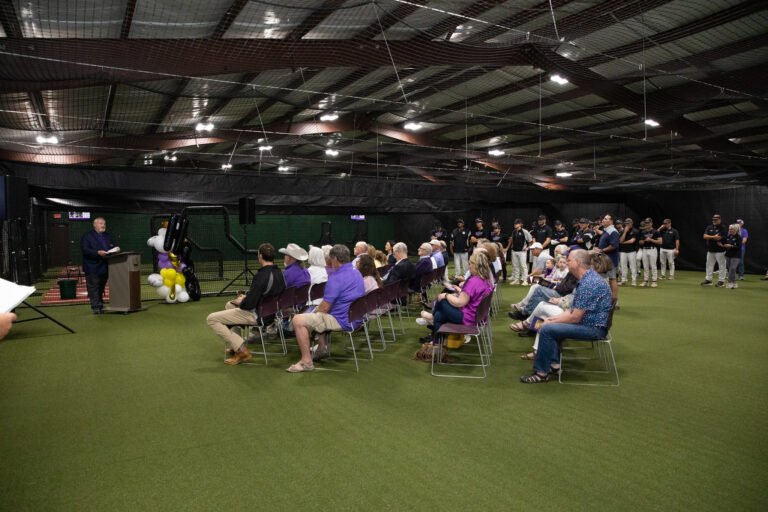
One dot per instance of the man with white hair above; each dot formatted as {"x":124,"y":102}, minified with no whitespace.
{"x":95,"y":245}
{"x":587,"y":319}
{"x":403,"y":269}
{"x":360,"y":248}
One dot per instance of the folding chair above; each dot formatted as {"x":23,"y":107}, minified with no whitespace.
{"x":301,"y":298}
{"x":316,"y":291}
{"x":357,"y":315}
{"x":268,"y":308}
{"x":480,"y":332}
{"x":378,"y":306}
{"x":603,"y":353}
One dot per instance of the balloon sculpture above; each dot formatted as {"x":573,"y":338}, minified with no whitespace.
{"x":170,"y":282}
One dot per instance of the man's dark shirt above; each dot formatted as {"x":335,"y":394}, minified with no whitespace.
{"x":438,"y":233}
{"x":518,"y":240}
{"x":400,"y":271}
{"x":91,"y":243}
{"x":260,"y":287}
{"x":541,"y":233}
{"x":460,"y":239}
{"x":715,"y":230}
{"x":632,"y":233}
{"x":668,"y":238}
{"x":560,"y":236}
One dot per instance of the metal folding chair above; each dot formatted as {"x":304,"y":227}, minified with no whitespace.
{"x":268,"y":308}
{"x":480,"y":332}
{"x":603,"y":353}
{"x":357,"y":315}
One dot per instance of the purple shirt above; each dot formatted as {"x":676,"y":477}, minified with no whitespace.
{"x":295,"y":275}
{"x":477,"y":289}
{"x":344,"y":287}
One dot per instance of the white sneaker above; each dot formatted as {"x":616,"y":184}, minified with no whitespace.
{"x":422,"y":321}
{"x":467,"y":338}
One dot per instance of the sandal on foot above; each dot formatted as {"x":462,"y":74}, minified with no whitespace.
{"x":300,"y":367}
{"x":534,"y":378}
{"x":519,"y":326}
{"x":530,"y":356}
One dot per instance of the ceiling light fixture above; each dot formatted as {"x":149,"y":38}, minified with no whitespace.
{"x":564,"y":174}
{"x":51,"y":139}
{"x":558,"y":79}
{"x":226,"y":167}
{"x":283,"y":168}
{"x":265,"y":148}
{"x":652,"y":123}
{"x":413,"y":126}
{"x":204,"y":127}
{"x":329,"y":117}
{"x":495,"y":152}
{"x":331,"y":152}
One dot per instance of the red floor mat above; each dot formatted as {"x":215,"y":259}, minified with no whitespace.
{"x":52,"y":296}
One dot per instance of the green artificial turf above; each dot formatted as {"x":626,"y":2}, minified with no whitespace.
{"x":137,"y":412}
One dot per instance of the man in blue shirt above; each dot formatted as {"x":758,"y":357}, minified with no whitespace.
{"x":586,"y":320}
{"x":437,"y":254}
{"x":95,"y":244}
{"x":344,"y":286}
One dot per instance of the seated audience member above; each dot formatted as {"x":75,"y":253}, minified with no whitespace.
{"x":538,"y":261}
{"x":295,"y":274}
{"x":461,"y":308}
{"x":371,"y":279}
{"x":327,"y":254}
{"x":437,"y":254}
{"x":539,"y":293}
{"x":544,"y":310}
{"x":317,"y":272}
{"x":561,"y":270}
{"x":380,"y":259}
{"x":344,"y":286}
{"x":402,"y":269}
{"x":360,"y":248}
{"x":6,"y":322}
{"x":423,"y":266}
{"x":587,"y":319}
{"x":268,"y":282}
{"x":389,"y":248}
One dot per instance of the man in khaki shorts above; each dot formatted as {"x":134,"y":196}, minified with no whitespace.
{"x":344,"y":286}
{"x":268,"y":282}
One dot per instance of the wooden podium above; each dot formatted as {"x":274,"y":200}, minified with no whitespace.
{"x":124,"y":282}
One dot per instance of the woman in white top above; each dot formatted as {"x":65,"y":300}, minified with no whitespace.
{"x":317,"y":272}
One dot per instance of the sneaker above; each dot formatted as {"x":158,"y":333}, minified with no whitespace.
{"x":706,"y":282}
{"x":622,"y":283}
{"x":719,"y":284}
{"x":654,"y":285}
{"x":671,"y":278}
{"x":467,"y":338}
{"x":422,"y":321}
{"x":734,"y":286}
{"x":741,"y":278}
{"x":427,"y":316}
{"x":320,"y":355}
{"x":525,"y":283}
{"x":634,"y":283}
{"x":644,"y":284}
{"x":662,"y":277}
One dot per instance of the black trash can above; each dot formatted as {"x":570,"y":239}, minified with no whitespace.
{"x":67,"y":288}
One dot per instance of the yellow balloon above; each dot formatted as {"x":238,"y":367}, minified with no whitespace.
{"x":168,"y":282}
{"x":180,"y":279}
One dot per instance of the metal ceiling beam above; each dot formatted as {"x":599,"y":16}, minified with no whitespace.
{"x":269,"y":102}
{"x":313,"y":20}
{"x":387,"y":20}
{"x":10,"y":21}
{"x":518,"y":18}
{"x":125,"y":29}
{"x":448,"y":26}
{"x":62,"y":63}
{"x":108,"y":108}
{"x":229,"y":17}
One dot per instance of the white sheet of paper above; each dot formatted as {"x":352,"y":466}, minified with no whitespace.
{"x":12,"y":294}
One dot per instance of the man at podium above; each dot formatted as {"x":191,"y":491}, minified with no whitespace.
{"x":96,"y":245}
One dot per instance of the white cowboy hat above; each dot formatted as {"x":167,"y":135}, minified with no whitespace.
{"x":295,"y":252}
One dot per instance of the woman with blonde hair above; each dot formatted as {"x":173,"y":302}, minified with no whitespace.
{"x":461,"y":307}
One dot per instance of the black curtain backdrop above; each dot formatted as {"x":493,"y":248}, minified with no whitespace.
{"x":417,"y":207}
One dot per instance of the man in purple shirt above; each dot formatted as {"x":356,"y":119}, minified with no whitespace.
{"x":295,"y":274}
{"x":344,"y":286}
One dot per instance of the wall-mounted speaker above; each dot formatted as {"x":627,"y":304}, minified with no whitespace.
{"x":14,"y":198}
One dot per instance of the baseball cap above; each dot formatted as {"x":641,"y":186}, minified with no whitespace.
{"x":537,"y":245}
